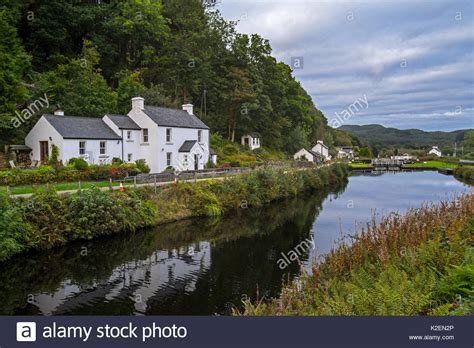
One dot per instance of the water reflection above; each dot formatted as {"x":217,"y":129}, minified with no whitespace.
{"x":204,"y":266}
{"x":201,"y":266}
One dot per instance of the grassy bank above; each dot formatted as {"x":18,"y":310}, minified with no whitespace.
{"x":465,"y":174}
{"x":432,"y":164}
{"x":47,"y":220}
{"x":421,"y":263}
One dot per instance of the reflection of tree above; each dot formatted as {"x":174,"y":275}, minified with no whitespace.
{"x":245,"y":247}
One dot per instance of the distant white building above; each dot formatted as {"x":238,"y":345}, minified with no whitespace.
{"x":405,"y":157}
{"x":164,"y":137}
{"x":322,"y":149}
{"x":345,"y":152}
{"x":308,"y":155}
{"x":251,"y":140}
{"x":435,"y":151}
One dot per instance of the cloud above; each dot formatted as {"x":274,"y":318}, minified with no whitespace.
{"x":413,"y":59}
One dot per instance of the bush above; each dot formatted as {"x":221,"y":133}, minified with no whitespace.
{"x":116,"y":161}
{"x":14,"y":230}
{"x":78,"y":163}
{"x":142,"y":166}
{"x":230,"y":149}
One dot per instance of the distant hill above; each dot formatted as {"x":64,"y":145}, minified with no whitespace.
{"x":377,"y":135}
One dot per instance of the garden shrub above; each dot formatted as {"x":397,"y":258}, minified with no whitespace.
{"x":78,"y":163}
{"x":46,"y":212}
{"x":93,"y":213}
{"x":142,"y":166}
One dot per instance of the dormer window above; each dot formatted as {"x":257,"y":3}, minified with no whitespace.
{"x":168,"y":135}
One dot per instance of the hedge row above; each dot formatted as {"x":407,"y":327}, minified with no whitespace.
{"x":48,"y":174}
{"x":47,"y":220}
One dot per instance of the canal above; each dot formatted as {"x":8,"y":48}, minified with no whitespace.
{"x":207,"y":266}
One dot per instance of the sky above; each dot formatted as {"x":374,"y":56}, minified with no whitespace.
{"x":412,"y":61}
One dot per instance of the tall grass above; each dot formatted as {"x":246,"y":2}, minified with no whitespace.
{"x":421,"y":263}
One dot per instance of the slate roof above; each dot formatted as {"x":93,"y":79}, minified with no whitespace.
{"x":75,"y":127}
{"x":124,"y":122}
{"x":173,"y":118}
{"x":187,"y":146}
{"x":316,"y":154}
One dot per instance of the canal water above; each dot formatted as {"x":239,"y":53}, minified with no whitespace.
{"x":207,"y":266}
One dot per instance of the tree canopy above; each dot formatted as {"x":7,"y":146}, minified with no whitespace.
{"x":91,"y":57}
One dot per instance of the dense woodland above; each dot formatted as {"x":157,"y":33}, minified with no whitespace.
{"x":90,"y":57}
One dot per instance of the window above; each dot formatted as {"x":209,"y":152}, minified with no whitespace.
{"x":102,"y":147}
{"x":168,"y":135}
{"x":145,"y":135}
{"x":82,"y":148}
{"x":129,"y":157}
{"x":129,"y":135}
{"x":168,"y":159}
{"x":185,"y":158}
{"x":199,"y":136}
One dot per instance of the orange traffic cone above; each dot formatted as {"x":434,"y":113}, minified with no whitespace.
{"x":121,"y":187}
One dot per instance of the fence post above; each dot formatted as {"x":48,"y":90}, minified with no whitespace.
{"x":134,"y":182}
{"x":154,"y":180}
{"x":80,"y":186}
{"x":110,"y":184}
{"x":195,"y":177}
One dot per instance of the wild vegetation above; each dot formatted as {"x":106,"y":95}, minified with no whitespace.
{"x":421,"y":263}
{"x":465,"y":173}
{"x":47,"y":220}
{"x":91,"y":57}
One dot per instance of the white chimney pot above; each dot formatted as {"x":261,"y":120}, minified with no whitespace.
{"x":188,"y":108}
{"x":59,"y":112}
{"x":138,"y":103}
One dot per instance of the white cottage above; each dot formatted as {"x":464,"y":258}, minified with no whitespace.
{"x":164,"y":137}
{"x":308,"y":155}
{"x":435,"y":151}
{"x":322,"y":149}
{"x":251,"y":140}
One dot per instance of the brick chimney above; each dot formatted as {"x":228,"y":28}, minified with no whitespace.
{"x":188,"y":108}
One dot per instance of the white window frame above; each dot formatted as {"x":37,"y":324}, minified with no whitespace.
{"x":145,"y":135}
{"x":102,"y":150}
{"x":169,"y":135}
{"x":199,"y":135}
{"x":82,"y":149}
{"x":169,"y":158}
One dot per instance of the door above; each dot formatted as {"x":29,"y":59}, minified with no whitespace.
{"x":196,"y":163}
{"x":44,"y":151}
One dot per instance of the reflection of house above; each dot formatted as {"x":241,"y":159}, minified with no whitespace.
{"x":308,"y":155}
{"x":251,"y":140}
{"x":435,"y":151}
{"x":162,"y":136}
{"x":345,"y":152}
{"x":322,"y":149}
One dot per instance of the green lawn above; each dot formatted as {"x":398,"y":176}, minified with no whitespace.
{"x":358,"y":164}
{"x":17,"y":190}
{"x":432,"y":164}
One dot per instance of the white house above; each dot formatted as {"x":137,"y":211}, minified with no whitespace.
{"x":309,"y":155}
{"x":251,"y":140}
{"x":322,"y":149}
{"x":435,"y":151}
{"x":405,"y":157}
{"x":164,"y":137}
{"x":345,"y":152}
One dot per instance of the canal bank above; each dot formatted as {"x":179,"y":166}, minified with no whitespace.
{"x":47,"y":220}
